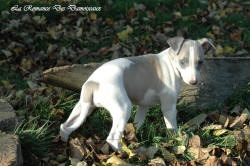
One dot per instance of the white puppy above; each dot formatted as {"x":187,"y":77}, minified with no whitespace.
{"x":143,"y":80}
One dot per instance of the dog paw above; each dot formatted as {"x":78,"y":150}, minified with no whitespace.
{"x":115,"y":145}
{"x":63,"y":134}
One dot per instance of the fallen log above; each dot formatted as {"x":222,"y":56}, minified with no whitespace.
{"x":220,"y":77}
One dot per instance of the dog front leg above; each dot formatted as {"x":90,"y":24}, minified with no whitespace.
{"x":140,"y":116}
{"x":168,"y":108}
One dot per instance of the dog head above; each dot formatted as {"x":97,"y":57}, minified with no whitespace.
{"x":188,"y":56}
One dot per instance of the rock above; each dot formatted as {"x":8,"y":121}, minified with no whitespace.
{"x":10,"y":150}
{"x":7,"y":116}
{"x":77,"y":149}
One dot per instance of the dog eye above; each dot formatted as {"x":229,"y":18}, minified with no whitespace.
{"x":182,"y":62}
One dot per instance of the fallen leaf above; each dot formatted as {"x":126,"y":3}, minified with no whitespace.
{"x":220,"y":132}
{"x":139,"y":6}
{"x":157,"y":162}
{"x":179,"y":149}
{"x":151,"y":14}
{"x":105,"y":148}
{"x":32,"y":85}
{"x":222,"y":119}
{"x":39,"y":19}
{"x":196,"y":121}
{"x":93,"y":16}
{"x":212,"y":127}
{"x":236,"y":36}
{"x":210,"y":35}
{"x":239,"y":120}
{"x":51,"y":48}
{"x":245,"y":111}
{"x":102,"y":156}
{"x":195,"y":141}
{"x":227,"y":161}
{"x":228,"y":49}
{"x":77,"y":149}
{"x":109,"y":21}
{"x":213,"y":161}
{"x":26,"y":64}
{"x":117,"y":161}
{"x":123,"y":35}
{"x":126,"y":149}
{"x":200,"y":154}
{"x":131,"y":13}
{"x":219,"y":50}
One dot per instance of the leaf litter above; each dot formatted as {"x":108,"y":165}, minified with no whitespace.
{"x":45,"y":44}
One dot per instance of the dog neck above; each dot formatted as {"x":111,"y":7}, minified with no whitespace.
{"x":170,"y":72}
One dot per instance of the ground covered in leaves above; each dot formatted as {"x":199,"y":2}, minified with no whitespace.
{"x":34,"y":41}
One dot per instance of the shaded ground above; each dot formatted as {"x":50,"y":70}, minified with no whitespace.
{"x":32,"y":42}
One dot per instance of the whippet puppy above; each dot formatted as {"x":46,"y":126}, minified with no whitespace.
{"x":142,"y":80}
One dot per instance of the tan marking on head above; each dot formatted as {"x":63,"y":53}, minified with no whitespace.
{"x":87,"y":91}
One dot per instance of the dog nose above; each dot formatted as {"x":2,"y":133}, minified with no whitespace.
{"x":193,"y":82}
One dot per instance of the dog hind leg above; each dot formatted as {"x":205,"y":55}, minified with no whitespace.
{"x":120,"y":113}
{"x":76,"y":118}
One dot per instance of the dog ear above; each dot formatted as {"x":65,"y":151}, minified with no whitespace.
{"x":206,"y":44}
{"x":176,"y":43}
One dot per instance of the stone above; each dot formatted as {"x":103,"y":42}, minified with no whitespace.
{"x":7,"y":116}
{"x":10,"y":150}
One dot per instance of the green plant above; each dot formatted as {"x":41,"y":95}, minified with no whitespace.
{"x":34,"y":138}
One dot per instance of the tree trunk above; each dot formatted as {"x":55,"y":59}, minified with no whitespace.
{"x":220,"y":77}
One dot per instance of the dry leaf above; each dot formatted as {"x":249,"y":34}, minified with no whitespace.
{"x":212,"y":127}
{"x":196,"y":121}
{"x":220,"y":132}
{"x":157,"y":162}
{"x":222,"y":119}
{"x":245,"y":111}
{"x":130,"y":132}
{"x":219,"y":50}
{"x":117,"y":161}
{"x":179,"y":149}
{"x":213,"y":161}
{"x":109,"y":21}
{"x":239,"y":120}
{"x":131,"y":13}
{"x":126,"y":149}
{"x":195,"y":141}
{"x":93,"y":16}
{"x":123,"y":35}
{"x":236,"y":36}
{"x":77,"y":149}
{"x":227,"y":161}
{"x":105,"y":148}
{"x":228,"y":49}
{"x":200,"y":154}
